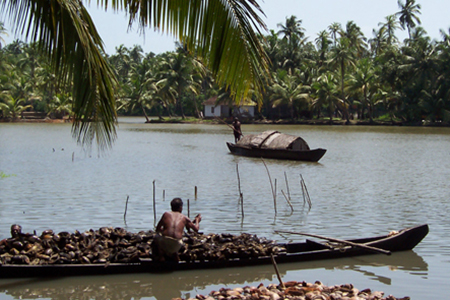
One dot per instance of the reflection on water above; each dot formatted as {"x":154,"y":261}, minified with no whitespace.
{"x":177,"y":284}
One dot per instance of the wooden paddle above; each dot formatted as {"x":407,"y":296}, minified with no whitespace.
{"x":387,"y":252}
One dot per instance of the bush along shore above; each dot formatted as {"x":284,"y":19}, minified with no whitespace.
{"x":295,"y":290}
{"x":188,"y":120}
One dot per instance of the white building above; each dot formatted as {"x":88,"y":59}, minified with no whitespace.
{"x":214,"y":109}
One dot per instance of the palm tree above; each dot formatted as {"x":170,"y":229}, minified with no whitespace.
{"x":272,"y":48}
{"x":13,"y":107}
{"x":355,"y":37}
{"x":323,"y":46}
{"x":342,"y":55}
{"x":177,"y":71}
{"x":292,"y":28}
{"x":60,"y":105}
{"x":389,"y":28}
{"x":288,"y":91}
{"x":408,"y":14}
{"x":2,"y":32}
{"x":361,"y":81}
{"x":224,"y":34}
{"x":135,"y":90}
{"x":334,"y":28}
{"x":326,"y":94}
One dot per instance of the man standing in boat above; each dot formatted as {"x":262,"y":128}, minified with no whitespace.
{"x":170,"y":228}
{"x":237,"y":130}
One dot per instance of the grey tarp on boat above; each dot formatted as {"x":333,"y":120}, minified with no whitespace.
{"x":272,"y":139}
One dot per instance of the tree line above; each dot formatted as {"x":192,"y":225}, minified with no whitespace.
{"x":341,"y":74}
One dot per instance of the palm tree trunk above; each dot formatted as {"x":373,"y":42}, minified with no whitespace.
{"x":345,"y":111}
{"x":145,"y":114}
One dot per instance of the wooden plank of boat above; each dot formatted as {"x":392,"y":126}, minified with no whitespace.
{"x":405,"y":239}
{"x":313,"y":155}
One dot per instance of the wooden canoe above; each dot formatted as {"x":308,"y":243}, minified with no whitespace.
{"x":309,"y":250}
{"x":313,"y":155}
{"x":276,"y":145}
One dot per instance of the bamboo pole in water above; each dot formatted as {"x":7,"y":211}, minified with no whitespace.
{"x":154,"y":203}
{"x":276,"y":270}
{"x":287,"y":186}
{"x":271,"y":185}
{"x":287,"y":199}
{"x":305,"y":191}
{"x":188,"y":209}
{"x":126,"y":207}
{"x":241,"y":196}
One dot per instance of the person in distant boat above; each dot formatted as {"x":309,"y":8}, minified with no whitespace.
{"x":237,"y":130}
{"x":170,"y":228}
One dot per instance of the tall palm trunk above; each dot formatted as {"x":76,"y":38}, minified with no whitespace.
{"x":345,"y":110}
{"x":145,"y":114}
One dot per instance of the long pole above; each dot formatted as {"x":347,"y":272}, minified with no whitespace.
{"x":387,"y":252}
{"x":232,"y":127}
{"x":154,"y":203}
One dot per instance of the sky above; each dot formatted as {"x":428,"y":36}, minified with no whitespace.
{"x":316,"y":15}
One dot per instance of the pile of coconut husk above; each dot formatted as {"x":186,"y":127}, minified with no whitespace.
{"x":227,"y":246}
{"x":295,"y":290}
{"x":117,"y":245}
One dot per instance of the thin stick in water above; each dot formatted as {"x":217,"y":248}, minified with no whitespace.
{"x":306,"y":190}
{"x":154,"y":203}
{"x":126,"y":207}
{"x":189,"y":210}
{"x":276,"y":271}
{"x":287,"y":199}
{"x":271,"y":185}
{"x":287,"y":186}
{"x":195,"y":192}
{"x":241,"y":196}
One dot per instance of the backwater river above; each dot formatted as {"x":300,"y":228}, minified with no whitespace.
{"x":371,"y":180}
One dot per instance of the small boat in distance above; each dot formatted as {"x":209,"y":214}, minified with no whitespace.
{"x":273,"y":144}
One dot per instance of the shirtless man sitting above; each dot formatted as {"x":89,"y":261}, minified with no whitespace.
{"x":170,"y":229}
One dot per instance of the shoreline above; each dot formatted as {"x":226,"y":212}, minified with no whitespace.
{"x":302,"y":122}
{"x":256,"y":122}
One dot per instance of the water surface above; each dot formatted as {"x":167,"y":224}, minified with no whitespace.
{"x":371,"y":180}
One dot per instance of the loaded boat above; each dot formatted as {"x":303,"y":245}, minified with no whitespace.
{"x":309,"y":250}
{"x":276,"y":145}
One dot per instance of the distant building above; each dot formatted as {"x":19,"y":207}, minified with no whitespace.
{"x":214,"y":109}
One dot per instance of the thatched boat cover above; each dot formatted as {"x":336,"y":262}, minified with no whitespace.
{"x":273,"y":140}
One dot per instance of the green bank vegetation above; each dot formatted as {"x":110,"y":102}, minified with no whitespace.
{"x":338,"y":75}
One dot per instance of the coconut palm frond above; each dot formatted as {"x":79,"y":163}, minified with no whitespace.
{"x":223,"y":33}
{"x":65,"y":32}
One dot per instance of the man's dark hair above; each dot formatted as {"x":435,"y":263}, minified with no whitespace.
{"x":176,"y":204}
{"x":16,"y":230}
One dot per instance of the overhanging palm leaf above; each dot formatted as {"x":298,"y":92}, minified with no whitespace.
{"x":221,"y":32}
{"x":65,"y":31}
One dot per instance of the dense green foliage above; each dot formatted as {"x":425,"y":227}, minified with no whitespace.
{"x":341,"y":74}
{"x":222,"y":34}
